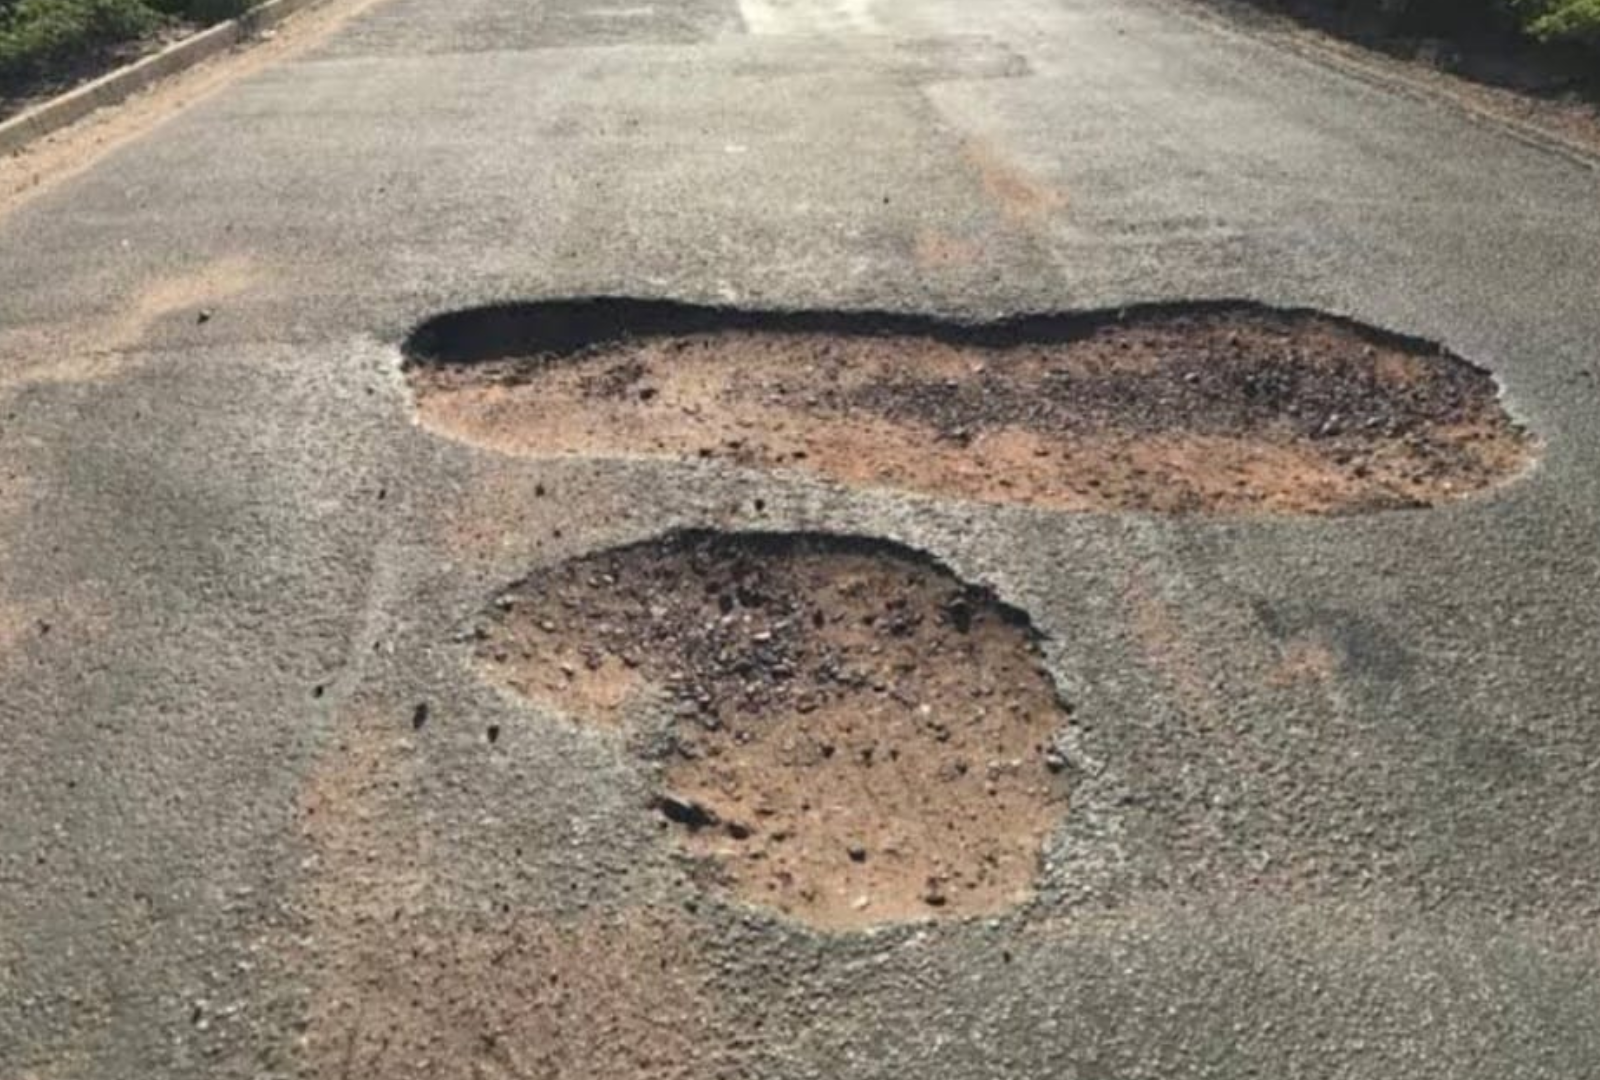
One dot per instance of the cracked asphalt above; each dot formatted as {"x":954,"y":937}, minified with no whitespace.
{"x":1335,"y":783}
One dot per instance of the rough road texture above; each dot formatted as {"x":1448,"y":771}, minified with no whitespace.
{"x":859,"y":737}
{"x":1226,"y":411}
{"x":1334,"y":811}
{"x":427,"y":981}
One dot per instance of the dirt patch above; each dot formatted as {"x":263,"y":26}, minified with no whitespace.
{"x":411,"y":978}
{"x":857,"y":736}
{"x":1019,"y":197}
{"x":94,"y":350}
{"x":935,"y":249}
{"x":1224,"y":409}
{"x":514,"y":997}
{"x":1304,"y":660}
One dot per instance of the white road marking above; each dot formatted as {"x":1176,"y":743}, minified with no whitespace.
{"x":773,"y":17}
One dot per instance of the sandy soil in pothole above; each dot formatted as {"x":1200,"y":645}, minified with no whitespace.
{"x":1219,"y":412}
{"x":858,"y":737}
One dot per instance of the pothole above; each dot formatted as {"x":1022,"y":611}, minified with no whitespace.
{"x":1221,"y":409}
{"x":857,"y":735}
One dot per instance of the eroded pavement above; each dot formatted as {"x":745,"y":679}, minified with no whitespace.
{"x":1330,"y":782}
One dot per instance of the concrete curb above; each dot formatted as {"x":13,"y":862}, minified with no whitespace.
{"x":116,"y":86}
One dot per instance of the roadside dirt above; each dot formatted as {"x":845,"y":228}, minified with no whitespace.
{"x":91,"y":350}
{"x":857,"y":736}
{"x":1220,"y":411}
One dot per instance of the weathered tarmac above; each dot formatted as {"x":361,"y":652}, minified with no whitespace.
{"x":1334,"y":783}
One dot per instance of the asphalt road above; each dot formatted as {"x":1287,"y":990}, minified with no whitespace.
{"x":231,"y":567}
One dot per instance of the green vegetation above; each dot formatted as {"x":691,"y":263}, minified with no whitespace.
{"x":1549,"y":47}
{"x":201,"y":11}
{"x":1563,"y":20}
{"x":38,"y":34}
{"x":45,"y":41}
{"x":1551,"y":21}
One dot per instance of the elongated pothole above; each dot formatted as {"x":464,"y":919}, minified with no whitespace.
{"x":1222,"y":409}
{"x":858,"y":736}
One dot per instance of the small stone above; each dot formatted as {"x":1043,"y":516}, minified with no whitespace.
{"x":685,"y":812}
{"x":858,"y":854}
{"x":959,"y":611}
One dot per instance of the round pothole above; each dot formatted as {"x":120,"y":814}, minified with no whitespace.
{"x":858,"y":736}
{"x":1222,"y":409}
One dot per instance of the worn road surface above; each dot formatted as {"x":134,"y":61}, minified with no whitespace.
{"x":1334,"y":782}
